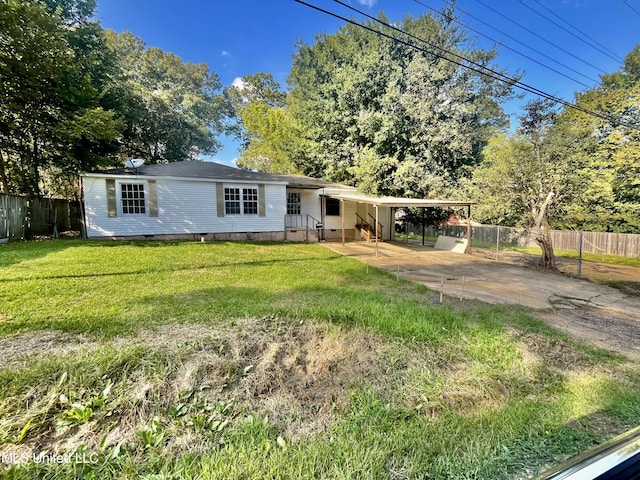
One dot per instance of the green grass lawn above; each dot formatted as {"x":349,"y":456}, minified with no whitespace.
{"x":188,"y":360}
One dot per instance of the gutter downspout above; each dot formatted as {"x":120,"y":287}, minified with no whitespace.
{"x":83,"y":214}
{"x":322,"y":215}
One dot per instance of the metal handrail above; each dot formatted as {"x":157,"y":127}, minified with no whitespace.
{"x":306,"y":221}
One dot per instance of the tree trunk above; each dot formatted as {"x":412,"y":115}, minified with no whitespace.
{"x":542,"y":237}
{"x":542,"y":233}
{"x":4,"y":180}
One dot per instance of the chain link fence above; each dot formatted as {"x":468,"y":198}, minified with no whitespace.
{"x":497,"y":237}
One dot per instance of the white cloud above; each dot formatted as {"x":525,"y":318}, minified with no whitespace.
{"x":238,"y":83}
{"x":367,"y":3}
{"x":225,"y":53}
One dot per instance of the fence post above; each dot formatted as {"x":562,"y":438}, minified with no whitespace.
{"x":497,"y":243}
{"x":424,"y":228}
{"x":580,"y":253}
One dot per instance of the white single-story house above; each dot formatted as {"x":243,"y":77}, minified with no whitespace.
{"x":209,"y":201}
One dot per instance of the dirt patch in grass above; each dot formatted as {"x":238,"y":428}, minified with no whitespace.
{"x":299,"y":375}
{"x":623,"y":277}
{"x":552,"y":351}
{"x":21,"y":349}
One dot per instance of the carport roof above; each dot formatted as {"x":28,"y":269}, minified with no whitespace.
{"x":398,"y":202}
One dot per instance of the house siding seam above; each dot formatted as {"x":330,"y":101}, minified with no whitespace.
{"x":184,"y":207}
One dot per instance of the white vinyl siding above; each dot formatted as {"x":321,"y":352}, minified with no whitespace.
{"x":184,"y":207}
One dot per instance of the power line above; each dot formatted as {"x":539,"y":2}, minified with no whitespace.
{"x":540,"y":37}
{"x":615,"y":55}
{"x":513,"y":50}
{"x":524,"y":45}
{"x":570,"y":33}
{"x":626,"y":2}
{"x":481,"y":69}
{"x":484,"y":70}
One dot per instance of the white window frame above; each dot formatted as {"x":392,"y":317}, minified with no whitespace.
{"x":145,"y":199}
{"x":248,"y":199}
{"x":294,"y":207}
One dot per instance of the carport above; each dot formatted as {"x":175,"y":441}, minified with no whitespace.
{"x":393,"y":203}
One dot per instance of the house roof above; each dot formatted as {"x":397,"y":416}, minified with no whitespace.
{"x":217,"y":171}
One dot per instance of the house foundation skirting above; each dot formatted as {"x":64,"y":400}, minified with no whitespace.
{"x":291,"y":235}
{"x":225,"y":236}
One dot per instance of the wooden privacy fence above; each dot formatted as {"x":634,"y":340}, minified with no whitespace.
{"x":491,"y":236}
{"x":24,"y":218}
{"x":621,"y":244}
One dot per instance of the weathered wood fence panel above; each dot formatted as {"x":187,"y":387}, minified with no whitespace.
{"x":621,"y":244}
{"x":12,"y":216}
{"x":23,"y":218}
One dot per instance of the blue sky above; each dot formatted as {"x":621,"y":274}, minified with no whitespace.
{"x":241,"y":37}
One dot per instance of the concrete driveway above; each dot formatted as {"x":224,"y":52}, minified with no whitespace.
{"x":590,"y":311}
{"x":479,"y":278}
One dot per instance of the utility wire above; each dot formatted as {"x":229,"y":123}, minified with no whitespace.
{"x":525,"y":45}
{"x":509,"y":48}
{"x":615,"y":55}
{"x":540,"y":37}
{"x":569,"y":32}
{"x":626,"y":2}
{"x":483,"y":71}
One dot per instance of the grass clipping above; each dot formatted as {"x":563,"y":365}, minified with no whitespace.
{"x":297,"y":375}
{"x":183,"y":388}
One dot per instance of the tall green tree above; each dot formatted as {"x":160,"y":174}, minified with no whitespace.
{"x":172,"y":110}
{"x":269,"y":135}
{"x":33,"y":54}
{"x":53,"y":76}
{"x":612,"y":173}
{"x":529,"y":179}
{"x":390,"y":118}
{"x":74,"y":97}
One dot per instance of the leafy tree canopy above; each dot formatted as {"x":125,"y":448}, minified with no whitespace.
{"x":611,"y":199}
{"x":529,"y":179}
{"x":75,"y":97}
{"x":171,"y":109}
{"x":269,"y":135}
{"x":388,"y":117}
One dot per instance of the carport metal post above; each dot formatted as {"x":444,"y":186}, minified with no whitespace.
{"x":342,"y":218}
{"x":468,"y":250}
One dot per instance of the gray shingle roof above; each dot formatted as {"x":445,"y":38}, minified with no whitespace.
{"x":217,"y":171}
